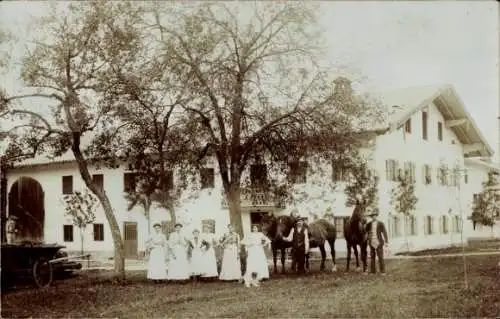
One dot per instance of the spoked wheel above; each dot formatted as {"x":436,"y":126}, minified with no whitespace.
{"x":42,"y":273}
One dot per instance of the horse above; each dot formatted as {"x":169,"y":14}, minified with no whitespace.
{"x":320,"y":231}
{"x":355,"y":235}
{"x":269,"y":225}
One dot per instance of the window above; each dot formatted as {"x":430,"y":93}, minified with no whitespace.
{"x":129,"y":182}
{"x":298,"y":172}
{"x":475,"y":198}
{"x":427,"y":174}
{"x":466,"y":177}
{"x":98,"y":232}
{"x":339,"y":225}
{"x":208,"y":226}
{"x":442,"y":175}
{"x":444,"y":225}
{"x":167,"y":227}
{"x":68,"y":233}
{"x":410,"y":169}
{"x":408,"y":126}
{"x":207,"y":176}
{"x":391,"y":170}
{"x":67,"y":185}
{"x":428,"y":225}
{"x":412,"y":225}
{"x":396,"y":226}
{"x":258,"y":175}
{"x":168,"y":180}
{"x":98,"y":179}
{"x":455,"y":226}
{"x":424,"y":125}
{"x":340,"y":172}
{"x":440,"y":131}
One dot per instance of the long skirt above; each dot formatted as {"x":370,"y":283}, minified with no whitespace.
{"x":231,"y":267}
{"x":196,"y":263}
{"x":209,"y":264}
{"x":157,"y":266}
{"x":178,"y":268}
{"x":257,"y":262}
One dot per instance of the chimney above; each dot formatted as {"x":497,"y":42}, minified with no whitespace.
{"x":343,"y":87}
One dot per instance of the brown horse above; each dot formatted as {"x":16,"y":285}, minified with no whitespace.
{"x":270,"y":229}
{"x":355,"y":235}
{"x":320,"y":231}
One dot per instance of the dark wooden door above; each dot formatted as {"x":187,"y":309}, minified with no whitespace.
{"x":130,"y":239}
{"x":256,"y":218}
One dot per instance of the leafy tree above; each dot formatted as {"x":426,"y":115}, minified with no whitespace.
{"x":362,"y":189}
{"x":80,"y":207}
{"x":64,"y":73}
{"x":149,"y":127}
{"x":403,"y":199}
{"x":486,"y":206}
{"x":260,"y":95}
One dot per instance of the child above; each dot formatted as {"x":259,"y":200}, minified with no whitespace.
{"x":252,"y":280}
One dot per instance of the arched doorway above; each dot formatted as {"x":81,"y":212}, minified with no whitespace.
{"x":26,"y":202}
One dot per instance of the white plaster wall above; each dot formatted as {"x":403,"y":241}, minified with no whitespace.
{"x":434,"y":200}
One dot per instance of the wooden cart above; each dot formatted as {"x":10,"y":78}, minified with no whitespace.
{"x":33,"y":261}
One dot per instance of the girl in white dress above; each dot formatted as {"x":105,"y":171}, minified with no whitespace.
{"x":209,"y":260}
{"x":256,"y":260}
{"x":231,"y":266}
{"x":157,"y":247}
{"x":178,"y":268}
{"x":197,"y":251}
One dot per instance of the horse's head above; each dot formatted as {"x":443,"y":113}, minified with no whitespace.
{"x":268,"y":224}
{"x":284,"y":225}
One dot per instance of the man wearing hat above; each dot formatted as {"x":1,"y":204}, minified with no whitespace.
{"x":299,"y":236}
{"x":377,"y":239}
{"x":10,"y":228}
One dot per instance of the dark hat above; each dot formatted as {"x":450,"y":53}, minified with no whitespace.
{"x":374,"y":213}
{"x":301,"y":219}
{"x":177,"y":224}
{"x":156,"y":224}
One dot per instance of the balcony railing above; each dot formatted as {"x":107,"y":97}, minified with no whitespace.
{"x":254,"y":198}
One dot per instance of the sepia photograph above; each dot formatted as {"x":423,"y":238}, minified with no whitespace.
{"x":250,"y":159}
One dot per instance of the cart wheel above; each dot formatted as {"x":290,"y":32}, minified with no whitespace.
{"x":42,"y":273}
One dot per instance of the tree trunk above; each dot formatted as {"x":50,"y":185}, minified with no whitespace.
{"x":81,"y":241}
{"x":406,"y":234}
{"x":147,"y":212}
{"x":119,"y":253}
{"x":234,"y":202}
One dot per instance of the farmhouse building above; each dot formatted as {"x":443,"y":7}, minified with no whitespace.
{"x":429,"y":134}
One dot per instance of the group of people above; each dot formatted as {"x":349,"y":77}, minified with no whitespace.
{"x":179,"y":258}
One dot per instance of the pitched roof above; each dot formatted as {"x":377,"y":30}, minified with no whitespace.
{"x":405,"y":102}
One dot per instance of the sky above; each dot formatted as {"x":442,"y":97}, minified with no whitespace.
{"x":393,"y":44}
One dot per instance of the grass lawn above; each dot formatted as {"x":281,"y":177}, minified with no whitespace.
{"x":473,"y":246}
{"x":412,"y":288}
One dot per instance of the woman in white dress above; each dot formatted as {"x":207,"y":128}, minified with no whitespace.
{"x":256,"y":259}
{"x":231,"y":266}
{"x":197,"y":251}
{"x":209,"y":260}
{"x":157,"y":247}
{"x":178,"y":268}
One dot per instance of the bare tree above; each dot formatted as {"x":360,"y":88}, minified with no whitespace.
{"x":258,"y":91}
{"x":64,"y":74}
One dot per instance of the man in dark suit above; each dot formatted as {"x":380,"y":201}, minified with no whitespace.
{"x":377,"y":239}
{"x":299,"y":236}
